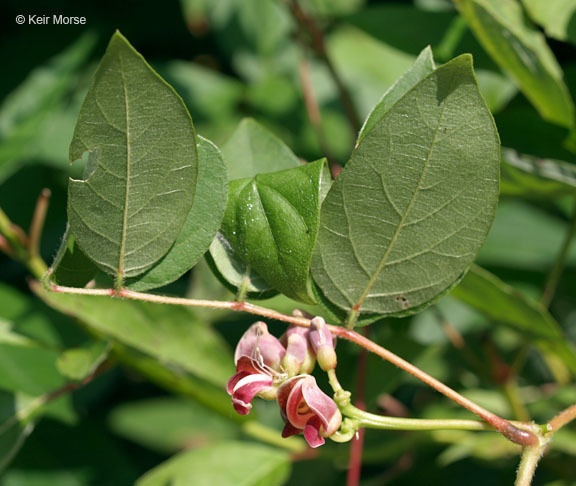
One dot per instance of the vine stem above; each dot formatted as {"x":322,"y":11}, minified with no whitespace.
{"x":530,"y":457}
{"x":560,"y":263}
{"x":563,"y":418}
{"x":510,"y":431}
{"x":307,"y":24}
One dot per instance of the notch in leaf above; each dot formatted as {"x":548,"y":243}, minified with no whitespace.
{"x":413,"y":206}
{"x":130,"y":208}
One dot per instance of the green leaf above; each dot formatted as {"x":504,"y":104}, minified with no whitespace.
{"x":556,"y":16}
{"x":422,"y":67}
{"x":80,"y":363}
{"x":528,"y":176}
{"x":252,"y":150}
{"x":71,"y":267}
{"x":141,"y":174}
{"x":412,"y":207}
{"x":247,"y":464}
{"x":503,"y":303}
{"x":200,"y":226}
{"x":271,"y":222}
{"x":170,"y":424}
{"x":171,"y":334}
{"x":521,"y":51}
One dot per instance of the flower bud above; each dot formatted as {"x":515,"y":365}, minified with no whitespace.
{"x":258,"y":342}
{"x":323,"y":344}
{"x":299,"y":357}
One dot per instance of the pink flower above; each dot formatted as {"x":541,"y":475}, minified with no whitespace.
{"x":257,"y":341}
{"x":258,"y":356}
{"x":306,"y":408}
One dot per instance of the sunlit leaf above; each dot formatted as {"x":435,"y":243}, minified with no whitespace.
{"x":140,"y":178}
{"x":521,"y":51}
{"x":414,"y":204}
{"x":556,"y":16}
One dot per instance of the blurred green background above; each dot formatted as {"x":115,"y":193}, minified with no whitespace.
{"x":230,"y":59}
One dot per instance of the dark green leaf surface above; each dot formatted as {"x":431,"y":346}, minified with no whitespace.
{"x":170,"y":424}
{"x":422,"y":67}
{"x":252,"y":149}
{"x":200,"y":226}
{"x":503,"y":303}
{"x":141,"y":174}
{"x":521,"y":51}
{"x":415,"y":202}
{"x":525,"y":175}
{"x":171,"y":334}
{"x":247,"y":464}
{"x":71,"y":267}
{"x":271,"y":222}
{"x":556,"y":16}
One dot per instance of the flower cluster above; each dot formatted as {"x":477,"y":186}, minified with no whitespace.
{"x":273,"y":368}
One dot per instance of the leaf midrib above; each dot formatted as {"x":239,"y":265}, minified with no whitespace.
{"x":120,"y":273}
{"x":384,"y":260}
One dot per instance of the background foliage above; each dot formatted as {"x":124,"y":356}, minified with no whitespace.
{"x":159,"y":408}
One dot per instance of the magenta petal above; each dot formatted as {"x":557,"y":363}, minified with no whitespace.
{"x":312,"y":433}
{"x":290,"y":430}
{"x":320,"y":336}
{"x":296,"y":410}
{"x":246,"y":389}
{"x":235,"y":379}
{"x":258,"y":341}
{"x":322,"y":405}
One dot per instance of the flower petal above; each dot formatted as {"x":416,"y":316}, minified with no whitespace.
{"x":322,"y":406}
{"x":258,"y":341}
{"x":312,"y":433}
{"x":246,"y":388}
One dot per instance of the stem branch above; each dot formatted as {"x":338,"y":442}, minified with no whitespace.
{"x":511,"y":432}
{"x":563,"y":418}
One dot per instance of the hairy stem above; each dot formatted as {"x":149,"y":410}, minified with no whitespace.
{"x":530,"y":458}
{"x":513,"y":433}
{"x":563,"y":418}
{"x":560,"y":263}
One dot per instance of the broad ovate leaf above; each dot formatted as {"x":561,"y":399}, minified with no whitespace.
{"x":422,"y":67}
{"x":271,"y":223}
{"x":412,"y":207}
{"x":140,"y":177}
{"x":200,"y":226}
